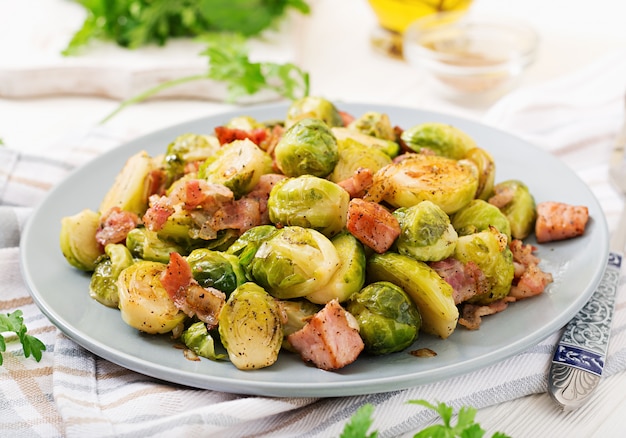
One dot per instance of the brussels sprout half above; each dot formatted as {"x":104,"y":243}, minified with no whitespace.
{"x":313,"y":107}
{"x":103,"y":284}
{"x":426,"y":232}
{"x":187,"y":148}
{"x":250,"y":327}
{"x":520,"y":210}
{"x":78,"y":239}
{"x":486,"y":166}
{"x":479,"y":215}
{"x":246,"y":246}
{"x":237,"y":165}
{"x":388,"y":319}
{"x":294,"y":262}
{"x":198,"y":339}
{"x":489,"y":250}
{"x":131,"y":188}
{"x":216,"y":269}
{"x":310,"y":202}
{"x":349,"y":277}
{"x":146,"y":245}
{"x":144,"y":302}
{"x":430,"y":293}
{"x":375,"y":124}
{"x":307,"y":148}
{"x":354,"y":156}
{"x":451,"y":184}
{"x":445,"y":140}
{"x":390,"y":147}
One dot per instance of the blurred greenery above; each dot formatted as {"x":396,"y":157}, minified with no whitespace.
{"x":136,"y":23}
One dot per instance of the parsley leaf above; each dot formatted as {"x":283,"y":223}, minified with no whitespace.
{"x":359,"y":423}
{"x":137,"y":23}
{"x":465,"y":427}
{"x":229,"y":62}
{"x":14,"y":323}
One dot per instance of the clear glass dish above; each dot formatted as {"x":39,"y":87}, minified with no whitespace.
{"x":471,"y":55}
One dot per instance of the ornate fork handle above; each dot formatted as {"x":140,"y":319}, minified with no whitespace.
{"x":579,"y":357}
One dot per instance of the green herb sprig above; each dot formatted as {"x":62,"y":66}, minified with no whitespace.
{"x":14,"y":323}
{"x":466,"y":427}
{"x":137,"y":23}
{"x":229,"y":63}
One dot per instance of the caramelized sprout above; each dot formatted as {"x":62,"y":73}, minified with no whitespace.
{"x":388,"y":319}
{"x":250,"y":327}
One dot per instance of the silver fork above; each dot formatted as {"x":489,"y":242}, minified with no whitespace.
{"x":579,"y":357}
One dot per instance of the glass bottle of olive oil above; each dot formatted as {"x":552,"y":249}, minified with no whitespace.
{"x":394,"y":16}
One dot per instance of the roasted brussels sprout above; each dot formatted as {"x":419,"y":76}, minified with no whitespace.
{"x":294,"y":262}
{"x":451,"y":184}
{"x":349,"y":277}
{"x":389,"y":147}
{"x":426,"y":232}
{"x":186,"y":230}
{"x":78,"y":239}
{"x":144,"y":302}
{"x":489,"y":250}
{"x":216,"y":269}
{"x":312,"y":107}
{"x":486,"y":171}
{"x":310,"y":202}
{"x":297,"y":313}
{"x":518,"y":205}
{"x":131,"y":188}
{"x":375,"y":124}
{"x":307,"y":148}
{"x":146,"y":245}
{"x":103,"y":284}
{"x":250,"y":327}
{"x":430,"y":293}
{"x":246,"y":246}
{"x":198,"y":339}
{"x":237,"y":165}
{"x":388,"y":319}
{"x":442,"y":139}
{"x":245,"y":123}
{"x":354,"y":156}
{"x":479,"y":215}
{"x":187,"y":148}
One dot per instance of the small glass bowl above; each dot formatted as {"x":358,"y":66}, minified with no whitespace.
{"x":471,"y":55}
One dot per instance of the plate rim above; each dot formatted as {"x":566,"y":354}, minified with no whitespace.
{"x":353,"y":387}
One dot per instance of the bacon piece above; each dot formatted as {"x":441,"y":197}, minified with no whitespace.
{"x":529,"y":280}
{"x":533,"y":281}
{"x":160,"y":210}
{"x":261,"y":193}
{"x":204,"y":303}
{"x":372,"y":224}
{"x":558,"y":221}
{"x":467,"y":280}
{"x":346,"y":117}
{"x":358,"y":183}
{"x":198,"y":193}
{"x":115,"y":225}
{"x":471,"y":314}
{"x":227,"y":135}
{"x":330,"y":339}
{"x":241,"y":215}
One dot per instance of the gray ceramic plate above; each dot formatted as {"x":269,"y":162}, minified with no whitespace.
{"x":61,"y":292}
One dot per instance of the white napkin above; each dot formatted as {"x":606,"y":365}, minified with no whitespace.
{"x":32,"y":64}
{"x":74,"y":393}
